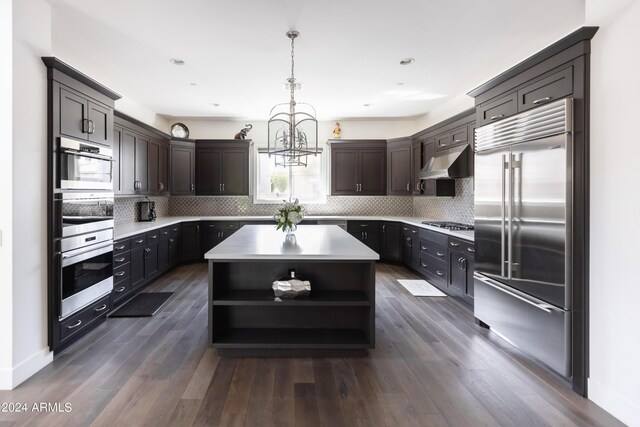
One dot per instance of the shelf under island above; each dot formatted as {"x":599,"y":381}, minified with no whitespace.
{"x":246,"y":318}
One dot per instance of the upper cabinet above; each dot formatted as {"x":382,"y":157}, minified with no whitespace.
{"x":222,"y":167}
{"x":358,"y":167}
{"x":399,"y":165}
{"x":83,"y":118}
{"x":183,"y":166}
{"x":141,"y":158}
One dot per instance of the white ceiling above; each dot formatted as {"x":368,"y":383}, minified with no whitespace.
{"x":347,"y":55}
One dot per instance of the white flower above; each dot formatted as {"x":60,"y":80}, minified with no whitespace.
{"x":294,"y":217}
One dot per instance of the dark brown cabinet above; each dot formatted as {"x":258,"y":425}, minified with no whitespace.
{"x":368,"y":232}
{"x":83,"y":118}
{"x":498,"y":109}
{"x":222,"y":168}
{"x":190,"y":241}
{"x":134,"y":152}
{"x":411,"y":246}
{"x":390,"y":244}
{"x":138,"y":256}
{"x":461,"y":263}
{"x":547,"y":89}
{"x":158,"y":167}
{"x":416,"y":165}
{"x":399,"y":166}
{"x":116,"y":147}
{"x":214,"y":232}
{"x":141,"y":171}
{"x":183,"y":158}
{"x":358,"y":168}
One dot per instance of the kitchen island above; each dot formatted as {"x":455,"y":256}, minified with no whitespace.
{"x":246,"y":318}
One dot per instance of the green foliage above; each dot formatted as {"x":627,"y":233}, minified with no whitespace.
{"x":289,"y":215}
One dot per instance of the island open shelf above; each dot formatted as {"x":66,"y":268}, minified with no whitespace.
{"x":245,"y":316}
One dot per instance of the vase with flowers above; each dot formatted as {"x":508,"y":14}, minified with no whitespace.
{"x":289,"y":216}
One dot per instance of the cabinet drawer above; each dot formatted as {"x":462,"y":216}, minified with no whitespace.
{"x":139,"y":241}
{"x":551,"y":88}
{"x":121,"y":259}
{"x":80,"y":320}
{"x":462,"y":246}
{"x":358,"y":226}
{"x":497,"y":110}
{"x":435,"y":250}
{"x":164,"y":233}
{"x":460,"y":135}
{"x":174,"y":230}
{"x":121,"y":290}
{"x":153,"y":237}
{"x":121,"y":273}
{"x":120,"y":246}
{"x":434,"y":268}
{"x":221,"y":225}
{"x":434,"y":237}
{"x":443,"y":140}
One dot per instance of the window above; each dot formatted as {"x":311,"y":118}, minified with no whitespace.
{"x":275,"y":184}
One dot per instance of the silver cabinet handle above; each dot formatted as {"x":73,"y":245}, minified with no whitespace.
{"x":439,"y":254}
{"x":457,"y":140}
{"x":85,"y":126}
{"x":119,"y":259}
{"x":147,"y":250}
{"x":496,"y":117}
{"x":364,"y":225}
{"x":75,"y":325}
{"x":362,"y":235}
{"x":175,"y":229}
{"x":154,"y":237}
{"x":417,"y":186}
{"x":220,"y":188}
{"x":408,"y":186}
{"x":423,"y":248}
{"x":454,"y":244}
{"x":103,"y":307}
{"x":193,"y":187}
{"x":120,"y":289}
{"x":366,"y":236}
{"x":139,"y":241}
{"x":414,"y":231}
{"x":92,"y":127}
{"x":161,"y":186}
{"x":472,"y":250}
{"x":223,"y":188}
{"x":164,"y":233}
{"x":171,"y":240}
{"x":498,"y":287}
{"x":541,"y":100}
{"x":383,"y":228}
{"x":421,"y":185}
{"x":423,"y":265}
{"x":119,"y":274}
{"x":439,"y":273}
{"x":118,"y":248}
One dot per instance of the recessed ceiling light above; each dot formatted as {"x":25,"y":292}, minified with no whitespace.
{"x":193,"y":84}
{"x":366,"y":105}
{"x":215,"y":105}
{"x":407,"y":61}
{"x":400,"y":84}
{"x":176,"y":61}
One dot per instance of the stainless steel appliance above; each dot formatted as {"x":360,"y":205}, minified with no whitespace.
{"x":84,"y":165}
{"x":523,"y":226}
{"x":448,"y":225}
{"x":147,"y":211}
{"x":451,"y":163}
{"x":84,"y":212}
{"x":86,"y":275}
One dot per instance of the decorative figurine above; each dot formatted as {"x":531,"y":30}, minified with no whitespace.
{"x":243,"y":132}
{"x":337,"y":132}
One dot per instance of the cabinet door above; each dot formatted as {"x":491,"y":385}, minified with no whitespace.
{"x":163,"y":168}
{"x":416,"y":161}
{"x":551,"y":88}
{"x":399,"y":171}
{"x":128,"y":163}
{"x":153,"y":158}
{"x":493,"y":111}
{"x":390,"y":241}
{"x":142,"y":164}
{"x":458,"y":264}
{"x":208,"y":172}
{"x":344,"y":172}
{"x":151,"y":261}
{"x":235,"y":172}
{"x":73,"y":114}
{"x":210,"y":237}
{"x":138,"y":256}
{"x":174,"y":253}
{"x":407,"y":246}
{"x":182,"y":170}
{"x":117,"y":143}
{"x":101,"y":118}
{"x":189,"y":241}
{"x":415,"y":248}
{"x":163,"y":254}
{"x":373,"y":177}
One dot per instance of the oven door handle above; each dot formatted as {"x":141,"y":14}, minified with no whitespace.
{"x":87,"y":154}
{"x":68,"y":259}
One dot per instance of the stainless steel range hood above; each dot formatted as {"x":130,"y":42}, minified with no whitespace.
{"x":451,"y":163}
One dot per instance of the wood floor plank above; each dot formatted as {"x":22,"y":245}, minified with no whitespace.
{"x":432,"y":365}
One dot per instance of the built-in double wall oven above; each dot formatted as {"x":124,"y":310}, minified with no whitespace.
{"x":83,"y":210}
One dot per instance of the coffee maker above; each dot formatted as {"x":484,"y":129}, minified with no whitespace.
{"x":147,"y":210}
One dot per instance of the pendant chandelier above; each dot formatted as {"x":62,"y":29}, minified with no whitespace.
{"x":292,"y":134}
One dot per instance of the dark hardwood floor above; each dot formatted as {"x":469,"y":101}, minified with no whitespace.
{"x":432,"y":366}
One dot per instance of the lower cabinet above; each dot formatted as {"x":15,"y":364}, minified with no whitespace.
{"x":189,"y":241}
{"x":461,"y":263}
{"x":368,"y":232}
{"x":214,"y":232}
{"x":390,"y":243}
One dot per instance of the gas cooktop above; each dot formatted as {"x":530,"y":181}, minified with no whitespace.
{"x":456,"y":226}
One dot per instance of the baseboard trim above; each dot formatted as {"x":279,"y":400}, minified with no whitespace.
{"x":12,"y":378}
{"x":614,"y":403}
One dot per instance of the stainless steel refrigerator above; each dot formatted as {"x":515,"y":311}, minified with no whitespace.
{"x":523,"y":211}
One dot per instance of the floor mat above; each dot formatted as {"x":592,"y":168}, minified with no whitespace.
{"x":143,"y":305}
{"x":420,"y":288}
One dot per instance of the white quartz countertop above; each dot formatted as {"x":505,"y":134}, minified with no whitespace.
{"x":311,"y":242}
{"x":131,"y":229}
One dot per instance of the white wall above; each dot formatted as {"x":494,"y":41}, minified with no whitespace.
{"x":351,"y":129}
{"x":6,"y":168}
{"x":142,"y":113}
{"x":31,"y":40}
{"x":614,"y":381}
{"x":450,"y":108}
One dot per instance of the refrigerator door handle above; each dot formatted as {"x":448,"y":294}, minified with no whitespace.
{"x":505,"y":168}
{"x":510,"y":222}
{"x":540,"y":305}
